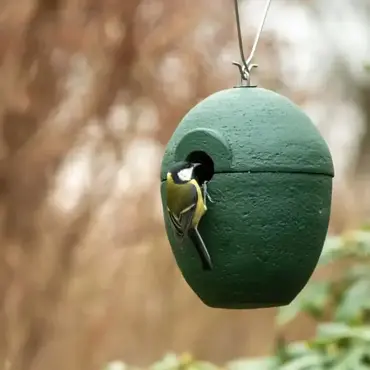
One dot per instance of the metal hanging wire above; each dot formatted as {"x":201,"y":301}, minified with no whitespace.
{"x":246,"y":66}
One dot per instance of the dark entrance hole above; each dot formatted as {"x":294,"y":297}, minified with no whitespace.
{"x":206,"y":170}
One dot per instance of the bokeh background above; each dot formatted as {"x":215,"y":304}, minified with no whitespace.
{"x":90,"y":93}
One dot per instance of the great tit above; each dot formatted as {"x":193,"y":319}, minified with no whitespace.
{"x":186,"y":205}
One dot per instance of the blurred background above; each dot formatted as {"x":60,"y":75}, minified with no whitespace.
{"x":90,"y":93}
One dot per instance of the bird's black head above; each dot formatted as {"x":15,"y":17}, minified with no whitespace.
{"x":182,"y":172}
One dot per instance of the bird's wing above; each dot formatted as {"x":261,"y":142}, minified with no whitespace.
{"x":181,"y":223}
{"x":186,"y":217}
{"x":175,"y":223}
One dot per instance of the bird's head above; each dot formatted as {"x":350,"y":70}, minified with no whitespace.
{"x":182,"y":172}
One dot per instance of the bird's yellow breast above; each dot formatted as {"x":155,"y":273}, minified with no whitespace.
{"x":181,"y":196}
{"x":201,"y":208}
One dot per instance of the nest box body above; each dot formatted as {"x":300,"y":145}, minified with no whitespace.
{"x":271,"y":182}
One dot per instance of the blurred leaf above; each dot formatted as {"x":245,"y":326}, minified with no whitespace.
{"x":313,"y":300}
{"x":359,"y":271}
{"x":354,"y":244}
{"x":331,"y":250}
{"x":362,"y":367}
{"x":200,"y":365}
{"x":288,"y":313}
{"x":186,"y":359}
{"x":362,"y":238}
{"x":354,"y":300}
{"x":281,"y":350}
{"x":311,"y":361}
{"x":169,"y":362}
{"x":333,"y":331}
{"x":298,"y":349}
{"x":366,"y":225}
{"x":253,"y":364}
{"x":362,"y":332}
{"x":196,"y":366}
{"x":351,"y":359}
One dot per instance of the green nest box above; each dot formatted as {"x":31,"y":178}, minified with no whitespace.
{"x":270,"y":175}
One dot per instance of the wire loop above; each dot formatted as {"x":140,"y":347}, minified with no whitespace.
{"x":246,"y":66}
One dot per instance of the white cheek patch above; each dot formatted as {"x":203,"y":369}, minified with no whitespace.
{"x":185,"y":174}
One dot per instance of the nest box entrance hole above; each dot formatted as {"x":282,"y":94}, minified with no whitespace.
{"x":206,"y":170}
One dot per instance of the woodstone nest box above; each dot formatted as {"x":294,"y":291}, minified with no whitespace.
{"x":270,"y":177}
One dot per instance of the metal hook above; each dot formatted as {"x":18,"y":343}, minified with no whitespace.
{"x":245,"y":67}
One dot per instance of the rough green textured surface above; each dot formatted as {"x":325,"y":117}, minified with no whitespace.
{"x":259,"y":129}
{"x":265,"y":233}
{"x":272,"y":195}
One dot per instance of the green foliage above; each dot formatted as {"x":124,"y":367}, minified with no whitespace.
{"x":341,"y":343}
{"x":344,"y":342}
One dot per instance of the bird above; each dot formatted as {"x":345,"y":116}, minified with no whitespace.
{"x":186,"y":205}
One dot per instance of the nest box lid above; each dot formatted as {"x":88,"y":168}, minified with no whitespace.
{"x":250,"y":130}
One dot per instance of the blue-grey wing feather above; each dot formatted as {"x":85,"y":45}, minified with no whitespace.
{"x":181,"y":222}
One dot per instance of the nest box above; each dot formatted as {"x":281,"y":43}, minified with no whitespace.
{"x":270,"y":177}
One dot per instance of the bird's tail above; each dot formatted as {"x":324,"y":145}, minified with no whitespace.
{"x":198,"y":242}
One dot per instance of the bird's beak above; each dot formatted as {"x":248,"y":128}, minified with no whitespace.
{"x":196,"y":164}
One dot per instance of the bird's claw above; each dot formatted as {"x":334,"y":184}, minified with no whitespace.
{"x":205,"y":193}
{"x":209,"y":198}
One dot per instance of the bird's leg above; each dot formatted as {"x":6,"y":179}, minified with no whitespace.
{"x":205,"y":193}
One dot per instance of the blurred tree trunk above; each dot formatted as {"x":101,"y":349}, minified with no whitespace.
{"x":60,"y":68}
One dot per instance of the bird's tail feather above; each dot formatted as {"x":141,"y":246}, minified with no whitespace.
{"x":198,"y":242}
